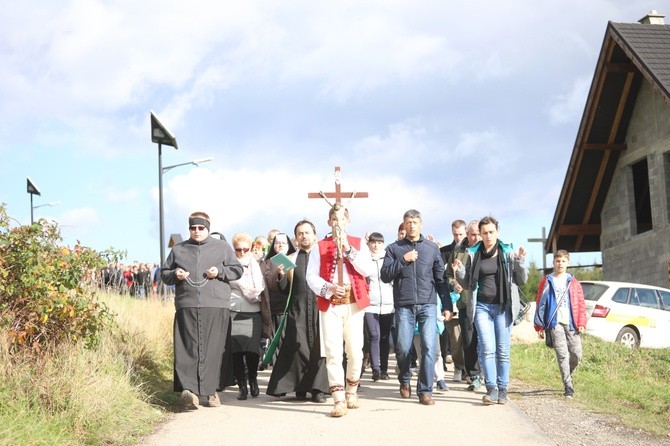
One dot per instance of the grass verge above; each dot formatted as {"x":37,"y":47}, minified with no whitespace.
{"x":612,"y":379}
{"x":110,"y":395}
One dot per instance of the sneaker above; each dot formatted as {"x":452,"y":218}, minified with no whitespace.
{"x":569,"y":392}
{"x":189,"y":400}
{"x":384,"y":376}
{"x":213,"y":400}
{"x":458,"y":375}
{"x":475,"y":383}
{"x":491,"y":396}
{"x":442,"y":385}
{"x":502,"y":396}
{"x":449,"y":359}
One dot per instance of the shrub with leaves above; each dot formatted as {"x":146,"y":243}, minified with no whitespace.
{"x":44,"y":296}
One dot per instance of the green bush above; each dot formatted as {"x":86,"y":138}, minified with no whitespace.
{"x":45,"y":292}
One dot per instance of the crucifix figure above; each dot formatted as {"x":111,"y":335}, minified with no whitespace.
{"x":338,"y":231}
{"x":338,"y":195}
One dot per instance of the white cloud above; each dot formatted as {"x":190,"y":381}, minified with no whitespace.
{"x":568,"y":106}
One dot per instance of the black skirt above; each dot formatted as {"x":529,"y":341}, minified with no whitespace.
{"x":246,"y":332}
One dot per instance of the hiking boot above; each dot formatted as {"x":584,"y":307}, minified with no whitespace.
{"x":569,"y":392}
{"x":189,"y":400}
{"x":405,"y":390}
{"x":442,"y":385}
{"x":475,"y":383}
{"x":491,"y":396}
{"x":502,"y":396}
{"x":213,"y":400}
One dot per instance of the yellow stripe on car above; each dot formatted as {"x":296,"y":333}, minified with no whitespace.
{"x":632,"y":320}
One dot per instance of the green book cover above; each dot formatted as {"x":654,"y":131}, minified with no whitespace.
{"x":282,"y":259}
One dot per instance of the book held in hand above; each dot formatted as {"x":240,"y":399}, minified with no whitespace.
{"x":282,"y":259}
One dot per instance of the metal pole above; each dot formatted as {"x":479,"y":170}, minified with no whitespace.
{"x":31,"y":209}
{"x":160,"y":205}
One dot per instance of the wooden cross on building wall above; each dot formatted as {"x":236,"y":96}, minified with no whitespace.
{"x":338,"y":195}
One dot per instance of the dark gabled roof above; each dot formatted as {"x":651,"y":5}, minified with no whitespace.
{"x":630,"y":53}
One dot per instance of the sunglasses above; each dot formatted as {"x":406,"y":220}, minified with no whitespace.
{"x":242,"y":250}
{"x":197,"y":228}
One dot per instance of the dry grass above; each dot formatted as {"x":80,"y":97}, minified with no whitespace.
{"x":94,"y":397}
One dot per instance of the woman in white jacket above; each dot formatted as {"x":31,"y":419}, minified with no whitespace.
{"x":246,"y":300}
{"x":379,"y":315}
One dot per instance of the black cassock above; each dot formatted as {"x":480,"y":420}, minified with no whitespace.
{"x":299,"y":366}
{"x":202,"y":361}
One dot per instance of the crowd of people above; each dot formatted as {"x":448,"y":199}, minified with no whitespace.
{"x":319,"y":311}
{"x":139,"y":280}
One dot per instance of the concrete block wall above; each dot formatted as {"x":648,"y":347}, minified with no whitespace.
{"x":626,"y":255}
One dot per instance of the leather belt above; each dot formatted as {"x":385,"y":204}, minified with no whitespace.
{"x":348,"y":298}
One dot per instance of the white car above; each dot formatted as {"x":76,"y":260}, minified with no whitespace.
{"x":632,"y":314}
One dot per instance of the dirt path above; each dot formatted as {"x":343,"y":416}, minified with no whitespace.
{"x":384,"y":418}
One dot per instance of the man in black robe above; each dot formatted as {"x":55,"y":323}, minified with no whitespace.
{"x":300,"y":368}
{"x":201,"y":269}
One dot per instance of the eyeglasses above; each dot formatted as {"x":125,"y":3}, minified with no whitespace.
{"x":242,"y":250}
{"x":197,"y":228}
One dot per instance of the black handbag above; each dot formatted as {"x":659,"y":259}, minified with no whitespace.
{"x":548,"y":339}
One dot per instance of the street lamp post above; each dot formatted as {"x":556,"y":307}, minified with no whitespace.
{"x":32,"y":189}
{"x":32,"y":208}
{"x":161,"y":135}
{"x":160,"y":187}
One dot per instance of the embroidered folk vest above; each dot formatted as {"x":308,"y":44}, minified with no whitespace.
{"x":359,"y":286}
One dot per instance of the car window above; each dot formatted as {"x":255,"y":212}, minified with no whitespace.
{"x":665,"y":297}
{"x":647,"y":298}
{"x":633,"y":299}
{"x":593,"y":291}
{"x":621,"y":296}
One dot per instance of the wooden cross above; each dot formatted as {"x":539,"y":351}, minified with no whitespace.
{"x":338,"y":195}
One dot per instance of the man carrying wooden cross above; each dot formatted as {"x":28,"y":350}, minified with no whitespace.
{"x":336,"y":272}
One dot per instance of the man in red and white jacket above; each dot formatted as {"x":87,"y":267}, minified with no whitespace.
{"x":336,"y":272}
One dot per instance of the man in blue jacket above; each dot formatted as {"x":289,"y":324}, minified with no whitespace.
{"x":415,"y":267}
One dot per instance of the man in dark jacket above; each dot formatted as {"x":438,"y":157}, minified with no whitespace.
{"x":415,"y":267}
{"x":201,"y":269}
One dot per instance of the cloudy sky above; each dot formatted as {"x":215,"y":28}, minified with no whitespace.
{"x":457,"y":109}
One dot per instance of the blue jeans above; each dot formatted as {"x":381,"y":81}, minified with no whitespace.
{"x":406,"y":318}
{"x":495,"y":331}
